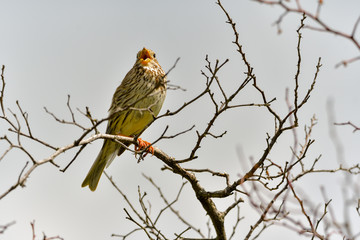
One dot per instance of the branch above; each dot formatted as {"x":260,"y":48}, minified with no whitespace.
{"x":2,"y":90}
{"x":169,"y":205}
{"x":3,"y":228}
{"x":356,"y":128}
{"x":24,"y":175}
{"x":324,"y":27}
{"x":44,"y":236}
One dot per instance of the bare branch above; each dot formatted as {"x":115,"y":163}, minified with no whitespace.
{"x":169,"y":205}
{"x":324,"y":27}
{"x":2,"y":90}
{"x":356,"y":128}
{"x":44,"y":236}
{"x":3,"y":228}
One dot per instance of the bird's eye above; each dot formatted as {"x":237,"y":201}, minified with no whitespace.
{"x":154,"y":55}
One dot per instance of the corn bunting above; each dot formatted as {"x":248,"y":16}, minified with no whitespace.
{"x":134,"y":105}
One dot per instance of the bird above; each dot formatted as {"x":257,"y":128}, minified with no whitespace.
{"x":135,"y":104}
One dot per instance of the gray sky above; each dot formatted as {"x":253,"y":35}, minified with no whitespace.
{"x":85,"y":48}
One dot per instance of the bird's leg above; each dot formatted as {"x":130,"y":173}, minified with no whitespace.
{"x":144,"y":145}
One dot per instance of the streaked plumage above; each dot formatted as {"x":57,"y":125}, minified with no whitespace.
{"x":135,"y":103}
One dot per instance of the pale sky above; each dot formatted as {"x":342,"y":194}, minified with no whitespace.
{"x":85,"y":48}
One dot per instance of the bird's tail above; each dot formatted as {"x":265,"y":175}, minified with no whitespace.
{"x":105,"y":157}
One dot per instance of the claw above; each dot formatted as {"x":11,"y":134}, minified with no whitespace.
{"x":143,"y":145}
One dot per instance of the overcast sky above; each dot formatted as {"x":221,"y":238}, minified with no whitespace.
{"x":85,"y":48}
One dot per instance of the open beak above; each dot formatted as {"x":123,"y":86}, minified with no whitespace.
{"x":145,"y":57}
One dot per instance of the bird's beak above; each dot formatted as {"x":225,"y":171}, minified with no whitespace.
{"x":145,"y":56}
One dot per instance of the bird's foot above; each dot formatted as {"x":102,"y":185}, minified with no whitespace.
{"x":142,"y":145}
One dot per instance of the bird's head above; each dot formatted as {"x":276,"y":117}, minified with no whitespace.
{"x":146,"y":57}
